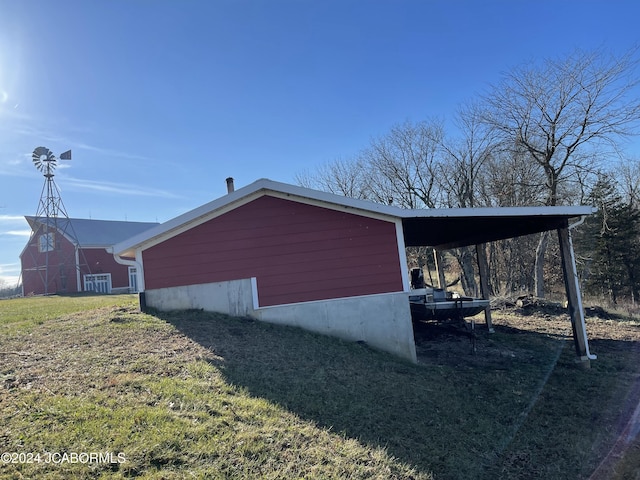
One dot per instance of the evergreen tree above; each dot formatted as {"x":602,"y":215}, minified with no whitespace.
{"x":608,"y":245}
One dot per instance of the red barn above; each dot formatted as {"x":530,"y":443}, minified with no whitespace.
{"x":70,"y":255}
{"x":301,"y":257}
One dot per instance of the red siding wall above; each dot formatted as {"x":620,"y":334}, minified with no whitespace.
{"x":99,"y":261}
{"x":297,"y":252}
{"x":62,"y":267}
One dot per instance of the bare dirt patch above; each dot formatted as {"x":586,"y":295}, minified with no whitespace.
{"x":545,"y":326}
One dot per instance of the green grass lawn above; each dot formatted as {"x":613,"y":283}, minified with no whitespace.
{"x":202,"y":395}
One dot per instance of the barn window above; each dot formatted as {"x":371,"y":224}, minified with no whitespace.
{"x":98,"y":283}
{"x":46,"y":242}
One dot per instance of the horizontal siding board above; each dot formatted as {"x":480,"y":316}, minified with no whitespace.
{"x":278,"y":267}
{"x":281,"y":273}
{"x":297,"y":263}
{"x":277,"y":238}
{"x":285,"y":254}
{"x":285,"y":245}
{"x":343,"y":287}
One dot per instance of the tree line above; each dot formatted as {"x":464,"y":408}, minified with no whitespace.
{"x":551,"y":132}
{"x":7,"y":291}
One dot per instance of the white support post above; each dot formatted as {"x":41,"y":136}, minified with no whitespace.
{"x":574,"y":298}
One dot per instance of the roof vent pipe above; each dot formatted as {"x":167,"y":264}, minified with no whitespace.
{"x":230,"y":187}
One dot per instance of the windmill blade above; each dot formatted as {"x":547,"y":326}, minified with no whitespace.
{"x":46,"y":163}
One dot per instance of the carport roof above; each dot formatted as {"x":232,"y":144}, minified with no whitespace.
{"x":457,"y":227}
{"x":439,"y":228}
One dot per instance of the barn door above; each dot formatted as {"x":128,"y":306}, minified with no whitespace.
{"x":133,"y":280}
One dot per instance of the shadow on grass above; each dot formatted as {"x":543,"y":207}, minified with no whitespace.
{"x":530,"y":414}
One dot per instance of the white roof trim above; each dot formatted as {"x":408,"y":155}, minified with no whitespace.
{"x":363,"y":207}
{"x":565,"y":211}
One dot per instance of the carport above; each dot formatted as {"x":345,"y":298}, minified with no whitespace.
{"x":239,"y":253}
{"x":445,"y":229}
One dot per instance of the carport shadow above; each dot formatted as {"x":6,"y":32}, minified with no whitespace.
{"x":452,"y":343}
{"x":449,"y":418}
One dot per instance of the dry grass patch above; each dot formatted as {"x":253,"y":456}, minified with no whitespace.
{"x":112,"y":379}
{"x":194,"y":394}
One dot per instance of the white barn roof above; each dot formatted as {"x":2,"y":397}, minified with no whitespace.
{"x":92,"y":233}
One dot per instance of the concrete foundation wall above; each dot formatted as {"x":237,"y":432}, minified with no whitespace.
{"x":382,"y":321}
{"x":234,"y":297}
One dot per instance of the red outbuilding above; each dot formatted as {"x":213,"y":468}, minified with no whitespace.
{"x":328,"y":263}
{"x":69,"y":255}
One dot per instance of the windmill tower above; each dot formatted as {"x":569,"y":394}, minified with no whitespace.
{"x":50,"y":205}
{"x":53,"y":220}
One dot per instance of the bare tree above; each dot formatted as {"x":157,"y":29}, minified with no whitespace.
{"x":628,"y":174}
{"x":342,"y":177}
{"x":403,"y":165}
{"x":561,"y":113}
{"x":462,"y":172}
{"x":465,"y":157}
{"x":403,"y":169}
{"x":510,"y":181}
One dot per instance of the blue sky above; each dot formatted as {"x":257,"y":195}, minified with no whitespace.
{"x":161,"y":100}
